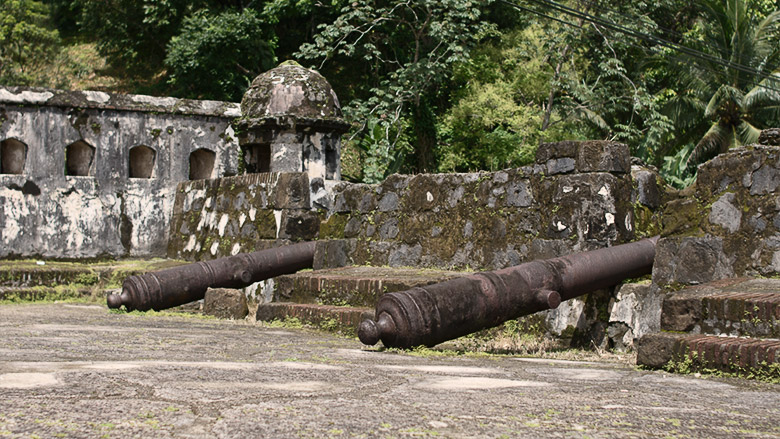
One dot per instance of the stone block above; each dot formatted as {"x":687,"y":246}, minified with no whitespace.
{"x":655,"y":350}
{"x":764,"y":180}
{"x":591,"y":206}
{"x":354,"y":198}
{"x":584,"y":156}
{"x":425,"y":193}
{"x":684,"y":215}
{"x":690,"y":260}
{"x":519,"y":194}
{"x":681,"y":314}
{"x":388,"y":202}
{"x":405,"y":256}
{"x":769,"y":137}
{"x":603,"y":156}
{"x":647,"y":191}
{"x":556,"y":150}
{"x":560,"y":166}
{"x":638,"y":306}
{"x":299,"y":225}
{"x":332,"y":254}
{"x":225,"y":303}
{"x":725,"y":214}
{"x":291,"y":191}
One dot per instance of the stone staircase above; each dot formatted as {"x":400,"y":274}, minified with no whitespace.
{"x":340,"y":298}
{"x":731,"y":326}
{"x":28,"y":280}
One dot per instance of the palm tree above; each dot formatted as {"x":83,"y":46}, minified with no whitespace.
{"x":734,"y":90}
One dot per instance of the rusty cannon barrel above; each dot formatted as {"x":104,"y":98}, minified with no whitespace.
{"x":435,"y":313}
{"x":179,"y":285}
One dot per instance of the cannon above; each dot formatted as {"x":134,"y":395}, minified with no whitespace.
{"x":179,"y":285}
{"x":436,"y":313}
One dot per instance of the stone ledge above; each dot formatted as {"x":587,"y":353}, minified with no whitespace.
{"x":703,"y":352}
{"x":49,"y":293}
{"x":225,"y":303}
{"x":735,"y":307}
{"x":115,"y":101}
{"x":584,"y":156}
{"x":355,"y":286}
{"x":340,"y":319}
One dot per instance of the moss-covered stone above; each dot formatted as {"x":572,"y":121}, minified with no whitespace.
{"x":333,"y":227}
{"x":683,"y":218}
{"x":265,"y":224}
{"x":647,"y":222}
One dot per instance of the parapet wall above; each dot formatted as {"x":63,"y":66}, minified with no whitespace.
{"x":90,"y":174}
{"x":579,"y":196}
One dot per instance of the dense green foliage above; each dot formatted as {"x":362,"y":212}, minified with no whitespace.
{"x":200,"y":66}
{"x":26,"y":40}
{"x":441,"y":85}
{"x":406,"y":51}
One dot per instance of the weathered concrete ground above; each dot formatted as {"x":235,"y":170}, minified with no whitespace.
{"x":73,"y":370}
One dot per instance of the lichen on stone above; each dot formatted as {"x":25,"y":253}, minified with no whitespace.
{"x":292,"y":90}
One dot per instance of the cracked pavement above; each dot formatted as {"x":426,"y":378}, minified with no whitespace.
{"x":78,"y":370}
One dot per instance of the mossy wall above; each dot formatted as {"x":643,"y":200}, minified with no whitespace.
{"x":579,"y":196}
{"x":225,"y":216}
{"x":727,"y":224}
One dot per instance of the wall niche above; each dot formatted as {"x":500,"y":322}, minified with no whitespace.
{"x":13,"y":155}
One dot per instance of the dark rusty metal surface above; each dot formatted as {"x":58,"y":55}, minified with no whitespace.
{"x":177,"y":286}
{"x":435,"y":313}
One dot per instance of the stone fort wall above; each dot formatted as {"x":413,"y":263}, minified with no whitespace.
{"x":93,"y":174}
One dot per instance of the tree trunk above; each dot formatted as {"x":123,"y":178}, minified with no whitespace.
{"x":424,"y":139}
{"x":557,"y":75}
{"x":551,"y":96}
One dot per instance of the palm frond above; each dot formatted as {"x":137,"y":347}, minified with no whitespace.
{"x":725,"y":95}
{"x":747,"y":133}
{"x":767,"y":36}
{"x":685,"y":110}
{"x":764,"y":95}
{"x":590,"y":116}
{"x":718,"y":139}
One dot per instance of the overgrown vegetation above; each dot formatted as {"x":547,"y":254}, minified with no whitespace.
{"x":438,"y":85}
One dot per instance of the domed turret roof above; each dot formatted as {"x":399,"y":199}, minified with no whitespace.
{"x":290,"y":90}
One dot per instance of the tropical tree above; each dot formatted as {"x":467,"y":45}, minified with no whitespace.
{"x":26,"y":40}
{"x":732,"y":89}
{"x":397,"y":54}
{"x":133,"y":34}
{"x":216,"y":56}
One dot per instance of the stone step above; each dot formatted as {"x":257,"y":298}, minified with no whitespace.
{"x":50,"y":293}
{"x":341,"y":319}
{"x":31,"y":276}
{"x":735,"y":307}
{"x":53,"y":273}
{"x":354,"y":286}
{"x":744,"y":356}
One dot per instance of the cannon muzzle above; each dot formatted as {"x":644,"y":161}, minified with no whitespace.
{"x":179,"y":285}
{"x":435,"y":313}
